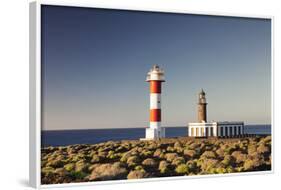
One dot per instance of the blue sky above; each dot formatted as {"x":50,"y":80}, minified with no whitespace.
{"x":94,"y":63}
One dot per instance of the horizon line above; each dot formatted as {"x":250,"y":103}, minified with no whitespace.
{"x":42,"y":130}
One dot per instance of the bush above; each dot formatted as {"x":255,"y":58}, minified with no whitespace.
{"x":95,"y":159}
{"x":138,"y":167}
{"x":252,"y":164}
{"x":108,"y":172}
{"x":61,"y":171}
{"x":133,"y":161}
{"x":189,"y":153}
{"x":208,"y":154}
{"x":149,"y":162}
{"x":182,"y":169}
{"x":171,"y":149}
{"x":81,"y":166}
{"x":191,"y":165}
{"x":178,"y":161}
{"x":77,"y":174}
{"x":69,"y":167}
{"x":164,"y":167}
{"x":194,"y":146}
{"x":252,"y":148}
{"x":227,"y":160}
{"x":220,"y":152}
{"x":47,"y":169}
{"x":55,"y":164}
{"x":177,"y":144}
{"x":171,"y":156}
{"x":147,"y":153}
{"x":137,"y":174}
{"x":125,"y":156}
{"x":263,"y":149}
{"x":207,"y":164}
{"x":220,"y":170}
{"x":239,"y":156}
{"x":157,"y":153}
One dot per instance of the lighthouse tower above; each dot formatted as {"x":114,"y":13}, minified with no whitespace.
{"x":155,"y":77}
{"x":202,"y":107}
{"x":203,"y":128}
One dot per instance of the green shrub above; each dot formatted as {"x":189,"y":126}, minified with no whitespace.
{"x":227,"y":160}
{"x":191,"y":164}
{"x":171,"y":156}
{"x":182,"y":169}
{"x":220,"y":170}
{"x":69,"y":167}
{"x":189,"y":153}
{"x":164,"y":167}
{"x":149,"y":162}
{"x":137,"y":174}
{"x":77,"y":174}
{"x":208,"y":154}
{"x":47,"y":169}
{"x":178,"y":161}
{"x":138,"y":167}
{"x":133,"y":161}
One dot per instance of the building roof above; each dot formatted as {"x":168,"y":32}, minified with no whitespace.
{"x":202,"y":91}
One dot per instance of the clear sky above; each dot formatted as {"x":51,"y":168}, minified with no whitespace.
{"x":94,"y":63}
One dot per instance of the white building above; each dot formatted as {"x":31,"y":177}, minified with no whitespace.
{"x":212,"y":129}
{"x":215,"y":129}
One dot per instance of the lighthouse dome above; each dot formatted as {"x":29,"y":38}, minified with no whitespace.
{"x":202,"y":92}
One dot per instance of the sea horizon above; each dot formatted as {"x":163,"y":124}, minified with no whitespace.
{"x":94,"y":136}
{"x":45,"y":130}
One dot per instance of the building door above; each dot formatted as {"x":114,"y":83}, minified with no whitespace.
{"x":235,"y":131}
{"x":230,"y":131}
{"x":202,"y":132}
{"x":226,"y":131}
{"x":207,"y":131}
{"x":221,"y":128}
{"x":211,"y":131}
{"x":239,"y":130}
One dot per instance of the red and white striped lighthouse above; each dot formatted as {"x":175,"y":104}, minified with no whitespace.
{"x":155,"y":77}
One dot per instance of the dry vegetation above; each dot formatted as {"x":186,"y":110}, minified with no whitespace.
{"x":163,"y":158}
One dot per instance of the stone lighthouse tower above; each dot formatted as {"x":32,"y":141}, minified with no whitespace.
{"x":202,"y":107}
{"x":155,"y":77}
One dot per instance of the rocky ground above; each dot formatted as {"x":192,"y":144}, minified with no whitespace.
{"x":162,"y":158}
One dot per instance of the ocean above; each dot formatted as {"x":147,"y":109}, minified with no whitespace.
{"x":93,"y":136}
